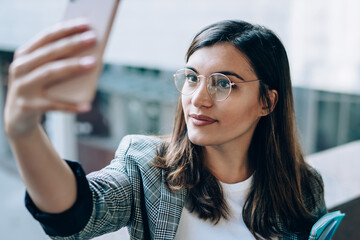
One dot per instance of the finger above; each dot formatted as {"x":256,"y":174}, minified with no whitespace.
{"x":66,"y":107}
{"x":53,"y":72}
{"x":43,"y":105}
{"x":53,"y":33}
{"x":60,"y":49}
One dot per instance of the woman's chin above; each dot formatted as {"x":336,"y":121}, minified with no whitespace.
{"x":201,"y":140}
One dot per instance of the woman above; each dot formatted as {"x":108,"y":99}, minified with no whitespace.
{"x":233,"y":167}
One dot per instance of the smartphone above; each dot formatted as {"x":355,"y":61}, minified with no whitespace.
{"x":101,"y":15}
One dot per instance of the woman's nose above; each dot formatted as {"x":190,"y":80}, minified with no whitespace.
{"x":201,"y":96}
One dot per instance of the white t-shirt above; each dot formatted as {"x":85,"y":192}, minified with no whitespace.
{"x":193,"y":228}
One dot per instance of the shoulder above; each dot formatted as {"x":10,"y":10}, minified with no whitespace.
{"x":314,"y":193}
{"x":138,"y":147}
{"x":138,"y":144}
{"x":316,"y":181}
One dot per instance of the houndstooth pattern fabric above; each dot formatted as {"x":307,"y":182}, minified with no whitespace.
{"x":117,"y":199}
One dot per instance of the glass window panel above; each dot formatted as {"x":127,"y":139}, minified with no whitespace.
{"x":354,"y":124}
{"x":327,"y":125}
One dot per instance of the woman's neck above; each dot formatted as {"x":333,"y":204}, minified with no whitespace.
{"x":229,"y":164}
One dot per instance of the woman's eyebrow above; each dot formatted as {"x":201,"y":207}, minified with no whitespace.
{"x":191,"y":68}
{"x":222,"y":72}
{"x":231,"y":74}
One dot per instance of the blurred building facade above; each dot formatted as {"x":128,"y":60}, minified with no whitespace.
{"x":325,"y":52}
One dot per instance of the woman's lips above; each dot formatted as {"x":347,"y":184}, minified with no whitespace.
{"x":201,"y":120}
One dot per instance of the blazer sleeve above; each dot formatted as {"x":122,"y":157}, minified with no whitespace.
{"x":314,"y":201}
{"x":104,"y":203}
{"x":72,"y":220}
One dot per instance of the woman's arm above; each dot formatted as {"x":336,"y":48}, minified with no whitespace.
{"x":49,"y":180}
{"x":45,"y":60}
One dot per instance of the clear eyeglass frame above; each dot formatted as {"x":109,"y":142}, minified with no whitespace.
{"x":215,"y":81}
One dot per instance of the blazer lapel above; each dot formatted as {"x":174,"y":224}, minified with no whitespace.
{"x":169,"y":212}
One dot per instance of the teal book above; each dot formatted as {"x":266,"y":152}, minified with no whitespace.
{"x":326,"y":226}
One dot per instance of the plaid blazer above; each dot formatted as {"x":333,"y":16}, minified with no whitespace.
{"x":132,"y":192}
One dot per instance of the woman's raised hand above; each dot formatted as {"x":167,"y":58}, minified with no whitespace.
{"x":46,"y":59}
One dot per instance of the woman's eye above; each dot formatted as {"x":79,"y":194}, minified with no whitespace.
{"x":223,"y":83}
{"x":191,"y":78}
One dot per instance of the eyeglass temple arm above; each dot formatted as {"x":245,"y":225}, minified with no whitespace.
{"x":257,"y":80}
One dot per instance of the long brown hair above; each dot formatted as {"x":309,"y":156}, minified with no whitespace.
{"x":281,"y":176}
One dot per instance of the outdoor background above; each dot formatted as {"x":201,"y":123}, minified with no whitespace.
{"x":136,"y":96}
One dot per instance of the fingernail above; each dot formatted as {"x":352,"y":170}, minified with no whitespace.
{"x":87,"y":61}
{"x":88,"y":36}
{"x":83,"y":107}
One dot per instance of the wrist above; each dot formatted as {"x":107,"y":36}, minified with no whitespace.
{"x":20,"y":134}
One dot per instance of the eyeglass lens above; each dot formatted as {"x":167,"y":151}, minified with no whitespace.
{"x":218,"y":85}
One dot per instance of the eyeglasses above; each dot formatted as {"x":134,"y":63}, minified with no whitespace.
{"x":218,"y":85}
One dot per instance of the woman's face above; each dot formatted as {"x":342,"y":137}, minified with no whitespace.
{"x":213,"y":123}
